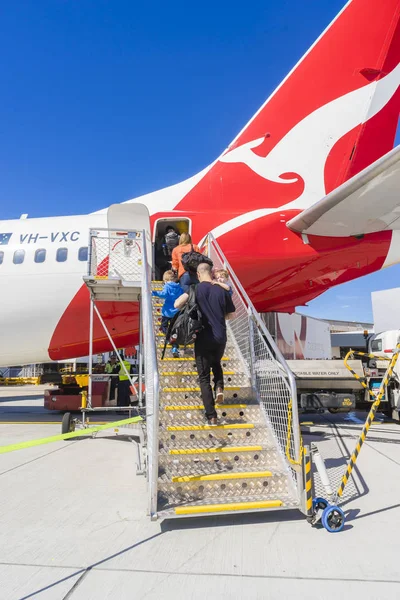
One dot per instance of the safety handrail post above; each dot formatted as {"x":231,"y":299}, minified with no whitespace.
{"x":152,"y":384}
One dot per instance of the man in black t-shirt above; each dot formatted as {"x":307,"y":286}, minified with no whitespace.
{"x":216,"y":306}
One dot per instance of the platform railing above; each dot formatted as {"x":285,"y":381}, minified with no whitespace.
{"x":272,"y":379}
{"x":151,"y":382}
{"x":115,"y":254}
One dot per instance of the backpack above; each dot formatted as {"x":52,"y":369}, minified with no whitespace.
{"x":171,"y":242}
{"x":186,"y":324}
{"x":192,"y":259}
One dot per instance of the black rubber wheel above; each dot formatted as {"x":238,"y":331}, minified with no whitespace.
{"x":67,"y":424}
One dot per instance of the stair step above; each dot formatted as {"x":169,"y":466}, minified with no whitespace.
{"x":207,"y":463}
{"x":194,"y":398}
{"x":172,"y":373}
{"x":198,"y":437}
{"x":169,"y":346}
{"x":221,"y":476}
{"x":215,"y":450}
{"x":209,"y":427}
{"x":201,"y":407}
{"x":222,"y":487}
{"x":196,"y":389}
{"x":187,"y":358}
{"x":249,"y":414}
{"x":228,"y":507}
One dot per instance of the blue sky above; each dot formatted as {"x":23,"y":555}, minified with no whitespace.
{"x":105,"y":100}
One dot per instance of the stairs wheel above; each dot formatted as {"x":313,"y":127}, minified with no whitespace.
{"x":67,"y":424}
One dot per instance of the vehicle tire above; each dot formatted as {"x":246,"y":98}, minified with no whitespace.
{"x":319,"y":504}
{"x":67,"y":424}
{"x":333,"y":519}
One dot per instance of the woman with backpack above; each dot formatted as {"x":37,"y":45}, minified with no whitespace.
{"x":186,"y":278}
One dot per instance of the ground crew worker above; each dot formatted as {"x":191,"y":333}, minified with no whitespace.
{"x":124,"y":383}
{"x":112,"y":368}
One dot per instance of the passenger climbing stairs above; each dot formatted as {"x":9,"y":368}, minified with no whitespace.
{"x":242,"y":463}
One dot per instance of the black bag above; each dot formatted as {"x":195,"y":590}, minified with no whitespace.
{"x":171,"y":242}
{"x":192,"y":259}
{"x":186,"y":324}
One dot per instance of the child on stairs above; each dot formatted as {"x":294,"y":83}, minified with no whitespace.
{"x":171,"y":291}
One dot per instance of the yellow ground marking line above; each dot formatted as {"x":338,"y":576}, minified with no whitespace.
{"x":201,"y":407}
{"x":217,"y":450}
{"x":172,"y":373}
{"x":67,"y":436}
{"x":193,"y":510}
{"x":219,"y":476}
{"x":194,"y":389}
{"x":306,"y":423}
{"x":208,"y":427}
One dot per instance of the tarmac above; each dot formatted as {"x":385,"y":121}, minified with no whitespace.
{"x":73,"y":523}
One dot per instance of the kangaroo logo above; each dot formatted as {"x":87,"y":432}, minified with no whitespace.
{"x":305,"y":148}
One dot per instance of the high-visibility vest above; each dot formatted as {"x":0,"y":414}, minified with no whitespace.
{"x":122,"y":375}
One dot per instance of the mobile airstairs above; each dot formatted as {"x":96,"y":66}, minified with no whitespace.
{"x":254,"y":459}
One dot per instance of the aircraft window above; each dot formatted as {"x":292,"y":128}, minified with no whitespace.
{"x":83,"y":253}
{"x":40,"y":255}
{"x":19,"y":256}
{"x":62,"y":254}
{"x":1,"y":257}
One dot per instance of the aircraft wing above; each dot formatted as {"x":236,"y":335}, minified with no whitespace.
{"x":367,"y":203}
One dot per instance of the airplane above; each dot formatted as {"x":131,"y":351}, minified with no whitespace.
{"x":303,"y":199}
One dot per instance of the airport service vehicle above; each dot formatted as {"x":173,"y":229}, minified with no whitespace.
{"x":382,"y":345}
{"x":304,"y":198}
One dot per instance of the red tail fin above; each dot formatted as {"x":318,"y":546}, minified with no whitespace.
{"x":335,"y":113}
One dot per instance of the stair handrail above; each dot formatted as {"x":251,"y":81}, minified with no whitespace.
{"x":255,"y":315}
{"x":151,"y":381}
{"x":293,"y":416}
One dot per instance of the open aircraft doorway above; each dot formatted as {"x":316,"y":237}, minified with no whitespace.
{"x":161,"y":253}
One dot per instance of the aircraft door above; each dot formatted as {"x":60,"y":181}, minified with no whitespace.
{"x":125,"y":251}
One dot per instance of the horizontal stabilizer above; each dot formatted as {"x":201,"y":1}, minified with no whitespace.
{"x":367,"y":203}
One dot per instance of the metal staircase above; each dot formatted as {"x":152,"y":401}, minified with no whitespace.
{"x":251,"y":461}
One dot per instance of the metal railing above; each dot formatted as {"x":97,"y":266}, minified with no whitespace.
{"x":123,"y":255}
{"x":272,"y":379}
{"x":115,"y":254}
{"x":152,"y":382}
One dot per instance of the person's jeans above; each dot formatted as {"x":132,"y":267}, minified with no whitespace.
{"x":208,"y":358}
{"x":187,"y":280}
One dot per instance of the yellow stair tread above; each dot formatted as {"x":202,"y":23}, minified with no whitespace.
{"x":220,"y":476}
{"x":186,"y":358}
{"x":209,"y":427}
{"x":201,"y":407}
{"x":169,"y":346}
{"x":210,"y":508}
{"x":194,"y":389}
{"x":216,"y":450}
{"x":171,"y":373}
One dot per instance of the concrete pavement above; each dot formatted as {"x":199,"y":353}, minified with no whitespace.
{"x":73,"y":525}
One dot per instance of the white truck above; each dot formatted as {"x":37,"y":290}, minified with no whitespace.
{"x":322,"y":383}
{"x":383,"y":345}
